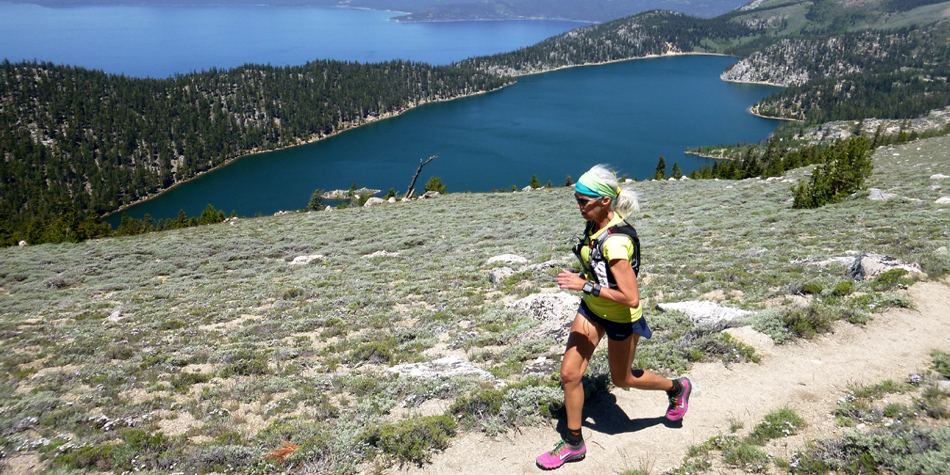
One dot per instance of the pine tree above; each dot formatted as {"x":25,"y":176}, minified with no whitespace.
{"x":660,"y":170}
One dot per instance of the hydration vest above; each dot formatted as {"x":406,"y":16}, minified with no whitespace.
{"x":598,"y":267}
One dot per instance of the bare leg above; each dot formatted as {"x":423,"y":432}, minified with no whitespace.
{"x":620,"y":355}
{"x":581,"y":343}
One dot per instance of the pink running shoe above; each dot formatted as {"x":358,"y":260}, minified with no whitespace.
{"x":679,"y":402}
{"x":563,"y":452}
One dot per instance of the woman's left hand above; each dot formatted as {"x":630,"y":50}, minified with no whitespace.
{"x":570,"y":281}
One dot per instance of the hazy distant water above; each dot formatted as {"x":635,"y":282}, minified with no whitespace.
{"x":550,"y":125}
{"x":157,"y":41}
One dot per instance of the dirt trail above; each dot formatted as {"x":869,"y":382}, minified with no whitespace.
{"x":625,"y":429}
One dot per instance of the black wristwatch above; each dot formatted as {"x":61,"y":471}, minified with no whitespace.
{"x":591,"y":288}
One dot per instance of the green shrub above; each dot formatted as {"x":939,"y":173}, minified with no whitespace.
{"x":244,"y":363}
{"x":780,"y":423}
{"x":97,"y":456}
{"x":412,"y":440}
{"x":899,"y":449}
{"x":890,"y":279}
{"x":843,"y":288}
{"x":808,"y":322}
{"x":477,"y":407}
{"x":435,"y":184}
{"x":933,"y":403}
{"x":941,"y":363}
{"x":171,"y":324}
{"x":749,"y":457}
{"x":182,"y":381}
{"x":846,"y":165}
{"x":811,"y":288}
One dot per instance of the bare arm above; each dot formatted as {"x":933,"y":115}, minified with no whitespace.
{"x":627,"y":292}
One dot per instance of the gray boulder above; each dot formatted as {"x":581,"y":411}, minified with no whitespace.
{"x":871,"y":264}
{"x":705,"y":313}
{"x":876,"y":194}
{"x":499,"y":274}
{"x":555,"y":312}
{"x":542,"y":366}
{"x":373,"y":201}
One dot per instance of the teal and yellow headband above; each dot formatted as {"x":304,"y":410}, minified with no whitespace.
{"x":591,"y":185}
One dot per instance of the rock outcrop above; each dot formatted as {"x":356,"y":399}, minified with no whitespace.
{"x":705,"y":313}
{"x":447,"y":367}
{"x":555,"y":312}
{"x":872,"y":264}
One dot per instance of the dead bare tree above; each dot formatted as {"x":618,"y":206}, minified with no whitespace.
{"x":416,"y":176}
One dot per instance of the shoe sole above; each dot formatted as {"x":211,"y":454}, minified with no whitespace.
{"x":569,"y":459}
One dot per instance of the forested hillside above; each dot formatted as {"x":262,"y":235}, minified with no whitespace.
{"x":81,"y":141}
{"x":895,"y":74}
{"x":646,"y":34}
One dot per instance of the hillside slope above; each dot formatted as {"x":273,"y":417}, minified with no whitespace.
{"x":204,"y":348}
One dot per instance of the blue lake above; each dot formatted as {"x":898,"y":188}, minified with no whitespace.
{"x":551,"y":125}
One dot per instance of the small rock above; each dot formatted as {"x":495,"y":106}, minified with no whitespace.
{"x":382,"y":253}
{"x":301,"y":260}
{"x":941,"y":251}
{"x":944,"y":386}
{"x":372,"y":201}
{"x":542,"y":266}
{"x":499,"y":274}
{"x":392,"y":199}
{"x":23,"y":244}
{"x":116,"y":315}
{"x":511,"y":259}
{"x":431,"y":194}
{"x":943,"y":200}
{"x":328,"y":208}
{"x":762,"y":343}
{"x":876,"y":194}
{"x":939,"y":176}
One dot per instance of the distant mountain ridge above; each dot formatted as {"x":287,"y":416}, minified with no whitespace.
{"x":462,"y":10}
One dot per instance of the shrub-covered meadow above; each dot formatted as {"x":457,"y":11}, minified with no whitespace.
{"x":206,"y":349}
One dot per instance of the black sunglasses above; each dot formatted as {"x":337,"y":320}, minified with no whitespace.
{"x":584,"y":200}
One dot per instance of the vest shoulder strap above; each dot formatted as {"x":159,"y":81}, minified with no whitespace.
{"x":628,"y":230}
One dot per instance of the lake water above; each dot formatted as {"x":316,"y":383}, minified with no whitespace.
{"x":551,"y":125}
{"x":156,"y":41}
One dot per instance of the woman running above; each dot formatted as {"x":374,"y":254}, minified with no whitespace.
{"x":610,"y":255}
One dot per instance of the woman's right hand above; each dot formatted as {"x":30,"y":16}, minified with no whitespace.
{"x":570,"y":281}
